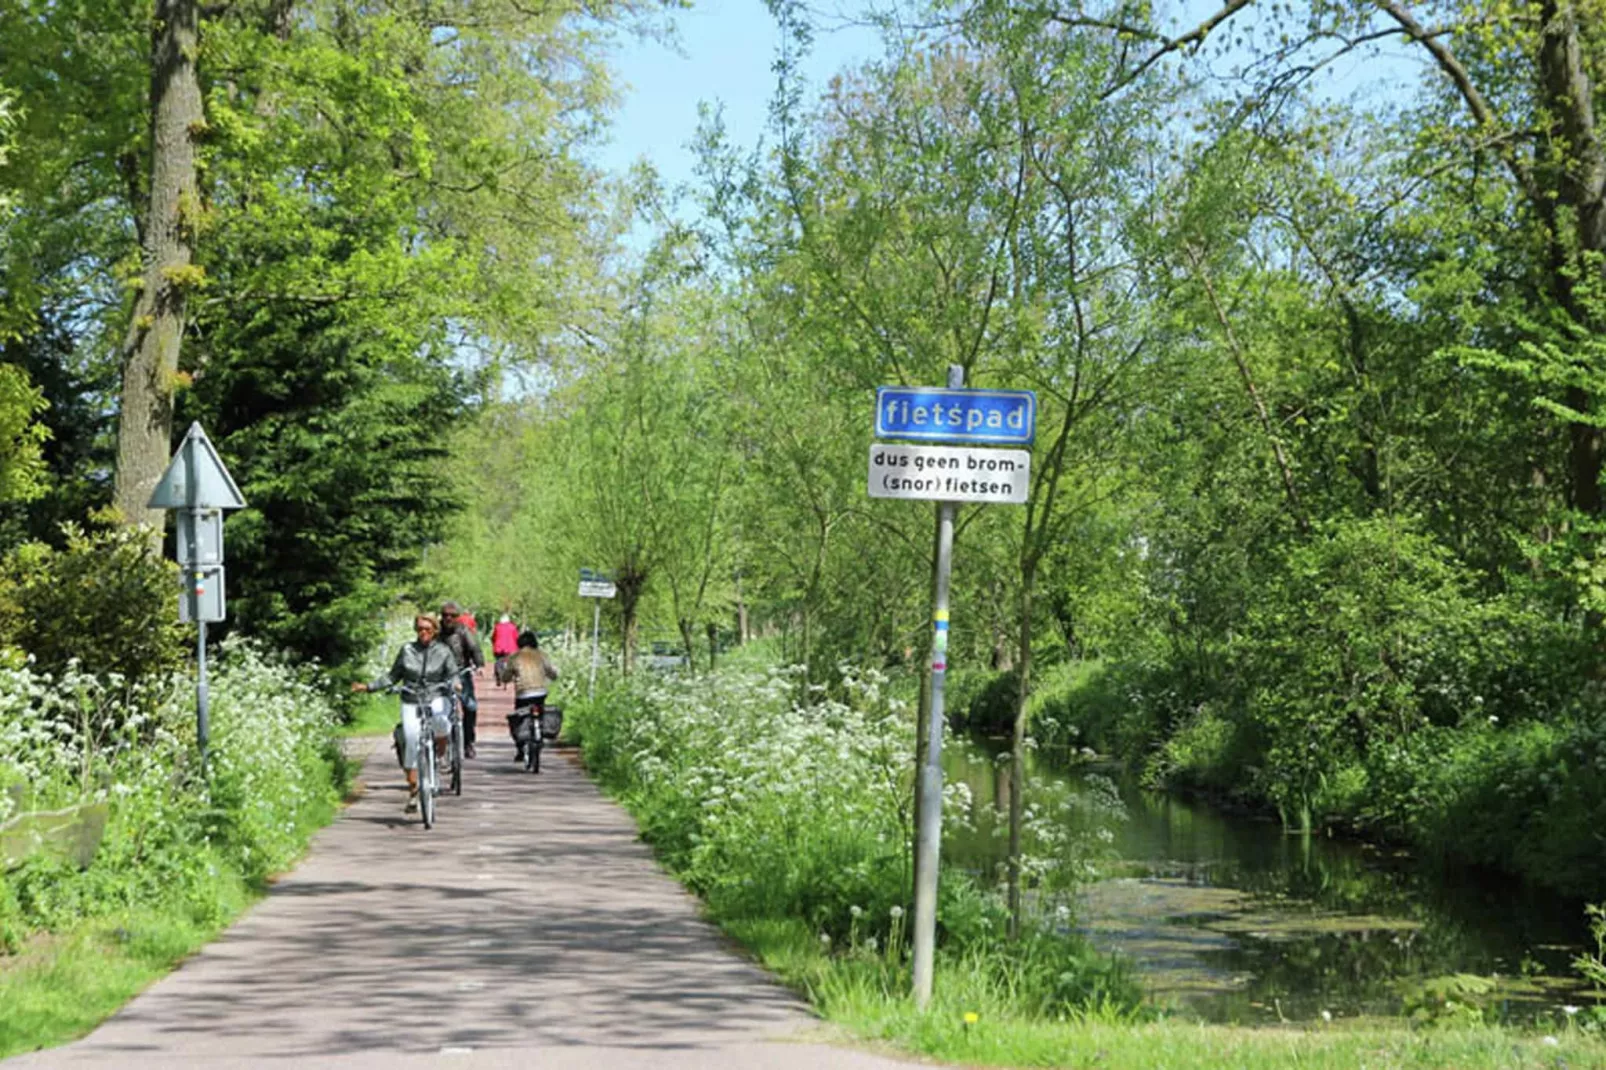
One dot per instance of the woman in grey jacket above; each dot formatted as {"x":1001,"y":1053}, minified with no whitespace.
{"x":427,"y":671}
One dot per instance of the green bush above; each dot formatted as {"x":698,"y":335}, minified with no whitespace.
{"x":107,"y":600}
{"x":992,"y":709}
{"x":174,"y":840}
{"x":1362,"y":638}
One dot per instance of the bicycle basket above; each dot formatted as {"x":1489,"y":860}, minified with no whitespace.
{"x":551,"y":722}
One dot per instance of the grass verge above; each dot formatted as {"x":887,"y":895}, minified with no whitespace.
{"x":973,"y":1021}
{"x":375,"y":716}
{"x":61,"y":986}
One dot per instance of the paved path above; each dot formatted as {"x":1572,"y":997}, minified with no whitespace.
{"x":529,"y":928}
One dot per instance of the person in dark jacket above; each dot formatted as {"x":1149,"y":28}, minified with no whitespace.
{"x":427,"y":671}
{"x":466,"y":646}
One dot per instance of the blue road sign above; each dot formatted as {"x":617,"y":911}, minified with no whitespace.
{"x":935,"y":414}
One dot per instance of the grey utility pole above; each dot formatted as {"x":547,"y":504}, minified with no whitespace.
{"x":596,"y":632}
{"x":928,"y":837}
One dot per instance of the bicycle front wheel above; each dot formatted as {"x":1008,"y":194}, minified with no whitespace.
{"x":427,"y":780}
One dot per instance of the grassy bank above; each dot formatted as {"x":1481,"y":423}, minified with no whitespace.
{"x":372,"y":715}
{"x":791,"y":823}
{"x":60,"y":986}
{"x":181,"y":854}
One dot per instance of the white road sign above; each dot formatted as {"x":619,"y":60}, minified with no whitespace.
{"x":950,"y":474}
{"x":597,"y":589}
{"x":195,"y":478}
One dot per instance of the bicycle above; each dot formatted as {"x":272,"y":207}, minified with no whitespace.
{"x":455,"y":751}
{"x":428,"y":772}
{"x":525,"y":722}
{"x":533,"y":725}
{"x":454,"y":746}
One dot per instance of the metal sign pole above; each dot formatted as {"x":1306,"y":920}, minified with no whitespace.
{"x":928,"y":837}
{"x":203,"y":721}
{"x":596,"y":628}
{"x":203,"y":726}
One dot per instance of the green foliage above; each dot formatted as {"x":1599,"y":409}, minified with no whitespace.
{"x":1355,"y":643}
{"x":992,"y":708}
{"x":21,"y":436}
{"x":393,"y":209}
{"x":77,"y":450}
{"x":338,"y":443}
{"x":106,"y":600}
{"x":173,"y":841}
{"x":1592,"y":964}
{"x":1457,"y":999}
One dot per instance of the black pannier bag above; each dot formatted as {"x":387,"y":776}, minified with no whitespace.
{"x":551,"y":722}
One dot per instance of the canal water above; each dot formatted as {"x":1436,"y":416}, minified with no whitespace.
{"x":1228,"y":918}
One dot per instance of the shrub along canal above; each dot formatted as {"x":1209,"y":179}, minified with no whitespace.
{"x":1231,"y":919}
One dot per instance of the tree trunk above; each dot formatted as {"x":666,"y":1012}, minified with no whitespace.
{"x":1003,"y":657}
{"x":151,"y":346}
{"x":686,"y":641}
{"x":712,"y":631}
{"x":629,"y":585}
{"x":1017,"y":750}
{"x":1568,"y":92}
{"x":744,"y":627}
{"x":807,"y":653}
{"x":627,"y":611}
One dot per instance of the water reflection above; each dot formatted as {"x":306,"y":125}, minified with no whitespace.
{"x":1231,"y":918}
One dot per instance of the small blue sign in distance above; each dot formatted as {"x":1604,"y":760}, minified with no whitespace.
{"x":936,"y":414}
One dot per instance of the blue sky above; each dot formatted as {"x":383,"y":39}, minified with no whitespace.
{"x":728,"y":47}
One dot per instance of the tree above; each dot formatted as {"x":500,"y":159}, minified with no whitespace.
{"x":168,"y":228}
{"x":21,"y":436}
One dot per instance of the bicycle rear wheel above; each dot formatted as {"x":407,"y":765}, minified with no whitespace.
{"x":457,"y":757}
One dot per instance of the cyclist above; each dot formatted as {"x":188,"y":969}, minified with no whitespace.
{"x":465,"y":645}
{"x":531,"y":671}
{"x":427,"y":671}
{"x":504,"y":642}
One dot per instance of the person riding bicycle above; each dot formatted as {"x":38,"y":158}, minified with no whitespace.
{"x":504,"y":644}
{"x":465,"y":645}
{"x":427,"y":671}
{"x":531,"y":671}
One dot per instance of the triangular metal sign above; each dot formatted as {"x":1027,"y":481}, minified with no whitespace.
{"x":196,"y":478}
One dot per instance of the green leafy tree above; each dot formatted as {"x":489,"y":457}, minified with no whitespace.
{"x":21,"y":436}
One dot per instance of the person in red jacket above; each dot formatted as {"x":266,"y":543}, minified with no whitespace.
{"x":504,"y":642}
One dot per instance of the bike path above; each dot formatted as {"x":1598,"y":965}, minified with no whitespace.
{"x":529,"y":928}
